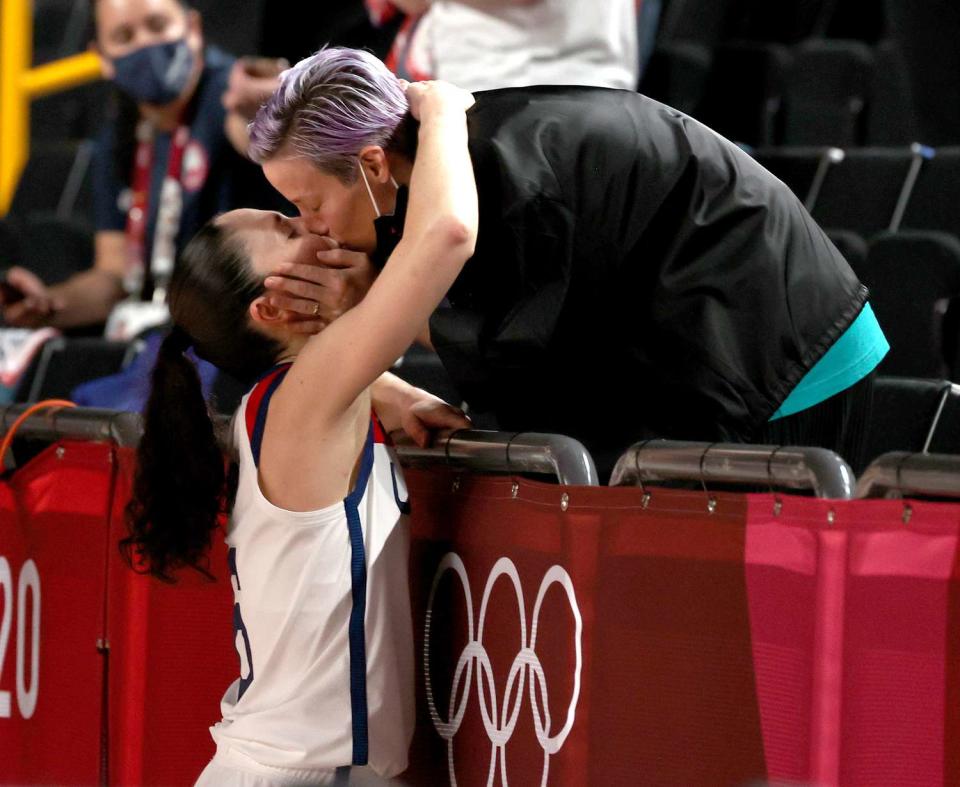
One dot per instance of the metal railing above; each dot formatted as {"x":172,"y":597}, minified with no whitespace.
{"x":506,"y":452}
{"x":900,"y":473}
{"x":74,"y":423}
{"x":815,"y":469}
{"x":20,"y":84}
{"x":478,"y":451}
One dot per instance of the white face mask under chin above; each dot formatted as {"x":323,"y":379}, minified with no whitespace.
{"x":366,"y":183}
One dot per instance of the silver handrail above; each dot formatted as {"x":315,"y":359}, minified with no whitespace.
{"x":900,"y":472}
{"x":829,"y":158}
{"x":505,"y":452}
{"x":74,"y":423}
{"x":816,"y":469}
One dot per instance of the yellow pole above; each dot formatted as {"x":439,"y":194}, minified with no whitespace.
{"x":61,"y":74}
{"x":19,"y":84}
{"x":16,"y":45}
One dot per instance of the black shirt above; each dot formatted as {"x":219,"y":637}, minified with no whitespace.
{"x":635,"y":274}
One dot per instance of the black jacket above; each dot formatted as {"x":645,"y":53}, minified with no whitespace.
{"x":635,"y":274}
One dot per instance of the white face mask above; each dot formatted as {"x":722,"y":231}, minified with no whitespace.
{"x":366,"y":183}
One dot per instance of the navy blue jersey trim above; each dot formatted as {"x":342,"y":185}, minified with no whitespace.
{"x":358,"y":613}
{"x":257,"y":438}
{"x":403,"y":505}
{"x":285,"y":365}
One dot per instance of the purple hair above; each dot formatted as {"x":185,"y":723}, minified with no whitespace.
{"x":328,"y":107}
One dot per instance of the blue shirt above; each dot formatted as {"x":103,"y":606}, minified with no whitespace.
{"x":851,"y":358}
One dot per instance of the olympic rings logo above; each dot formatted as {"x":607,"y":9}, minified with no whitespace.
{"x":500,"y":725}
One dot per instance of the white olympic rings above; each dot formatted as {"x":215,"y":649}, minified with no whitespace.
{"x":500,"y":734}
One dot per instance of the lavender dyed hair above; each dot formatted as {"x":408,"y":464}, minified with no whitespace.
{"x":327,"y":108}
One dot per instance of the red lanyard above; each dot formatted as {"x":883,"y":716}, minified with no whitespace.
{"x":168,"y":212}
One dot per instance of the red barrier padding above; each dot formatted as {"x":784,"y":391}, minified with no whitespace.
{"x":666,"y":689}
{"x":565,"y":636}
{"x":854,"y":615}
{"x":53,"y":537}
{"x":171,"y":658}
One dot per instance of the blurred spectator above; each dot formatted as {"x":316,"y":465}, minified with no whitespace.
{"x":163,"y":167}
{"x":486,"y":44}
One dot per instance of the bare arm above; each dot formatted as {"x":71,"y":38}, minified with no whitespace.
{"x":85,"y":298}
{"x":417,"y":412}
{"x":235,"y":130}
{"x":439,"y":237}
{"x":252,"y":80}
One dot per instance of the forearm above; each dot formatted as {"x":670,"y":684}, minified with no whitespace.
{"x":391,"y":399}
{"x":442,"y":185}
{"x":87,"y":298}
{"x":235,"y":128}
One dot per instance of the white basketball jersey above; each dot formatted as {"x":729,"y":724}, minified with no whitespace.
{"x":321,"y":617}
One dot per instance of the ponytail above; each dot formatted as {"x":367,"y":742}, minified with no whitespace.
{"x":179,"y":489}
{"x":179,"y":485}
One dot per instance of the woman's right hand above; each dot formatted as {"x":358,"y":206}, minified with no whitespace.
{"x":252,"y":81}
{"x":425,"y":98}
{"x":37,"y":306}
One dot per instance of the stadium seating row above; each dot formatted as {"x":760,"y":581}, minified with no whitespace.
{"x":819,"y":92}
{"x":869,"y":190}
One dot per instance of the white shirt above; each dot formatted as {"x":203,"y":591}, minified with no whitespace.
{"x":550,"y":42}
{"x":297,"y":578}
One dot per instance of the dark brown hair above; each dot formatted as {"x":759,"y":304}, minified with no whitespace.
{"x":179,"y":488}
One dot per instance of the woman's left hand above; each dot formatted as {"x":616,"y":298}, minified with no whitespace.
{"x":435,"y":95}
{"x":427,"y":414}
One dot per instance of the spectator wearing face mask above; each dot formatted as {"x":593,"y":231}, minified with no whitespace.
{"x":163,"y":167}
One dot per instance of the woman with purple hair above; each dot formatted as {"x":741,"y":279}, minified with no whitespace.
{"x":636,"y":275}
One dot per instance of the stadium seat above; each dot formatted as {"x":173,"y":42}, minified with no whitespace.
{"x":928,"y":32}
{"x":904,"y":412}
{"x":221,"y":29}
{"x":913,"y":276}
{"x":63,"y":363}
{"x":795,"y":166}
{"x":827,"y":92}
{"x":55,"y":248}
{"x":59,"y":29}
{"x":11,"y":243}
{"x":55,"y":172}
{"x":71,"y":115}
{"x":744,"y":91}
{"x":891,"y":118}
{"x":862,"y":20}
{"x":852,"y":247}
{"x":862,"y":191}
{"x":935,"y":203}
{"x":677,"y":75}
{"x":703,"y":22}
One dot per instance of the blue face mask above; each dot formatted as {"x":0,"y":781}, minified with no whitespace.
{"x":155,"y":74}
